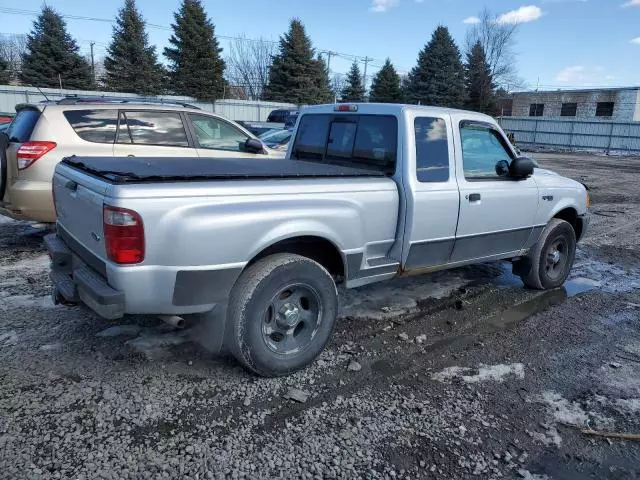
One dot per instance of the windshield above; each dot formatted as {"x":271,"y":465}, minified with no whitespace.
{"x":276,"y":137}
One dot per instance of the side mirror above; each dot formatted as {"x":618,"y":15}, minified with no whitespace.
{"x":521,"y":167}
{"x":253,"y":145}
{"x":502,"y":168}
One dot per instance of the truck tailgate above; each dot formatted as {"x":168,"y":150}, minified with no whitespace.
{"x":79,"y":200}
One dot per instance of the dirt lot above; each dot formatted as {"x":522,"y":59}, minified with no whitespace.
{"x":462,"y":374}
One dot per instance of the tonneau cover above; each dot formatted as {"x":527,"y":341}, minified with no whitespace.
{"x":158,"y":169}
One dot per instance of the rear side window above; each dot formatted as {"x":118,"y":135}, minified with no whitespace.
{"x":432,"y":149}
{"x":367,"y":141}
{"x":22,"y":126}
{"x":98,"y":126}
{"x":152,"y":128}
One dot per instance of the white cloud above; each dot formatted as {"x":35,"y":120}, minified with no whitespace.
{"x":632,"y":3}
{"x":471,"y":20}
{"x":636,"y":40}
{"x":380,"y":6}
{"x":525,"y":14}
{"x":584,"y":76}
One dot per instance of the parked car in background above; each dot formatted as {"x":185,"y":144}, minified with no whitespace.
{"x":5,"y":119}
{"x":42,"y":134}
{"x":367,"y":192}
{"x":277,"y":139}
{"x":260,"y":128}
{"x":281,"y":115}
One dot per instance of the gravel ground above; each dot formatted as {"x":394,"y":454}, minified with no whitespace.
{"x":461,"y":374}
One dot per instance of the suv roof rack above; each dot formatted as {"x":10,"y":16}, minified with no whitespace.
{"x":73,"y":100}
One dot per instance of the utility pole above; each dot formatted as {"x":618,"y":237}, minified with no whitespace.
{"x":93,"y":65}
{"x":364,"y":76}
{"x":329,"y":55}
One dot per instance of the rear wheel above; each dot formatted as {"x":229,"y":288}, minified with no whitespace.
{"x":552,"y":257}
{"x":282,"y":312}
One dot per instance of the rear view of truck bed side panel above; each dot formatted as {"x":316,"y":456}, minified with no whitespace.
{"x":206,"y":232}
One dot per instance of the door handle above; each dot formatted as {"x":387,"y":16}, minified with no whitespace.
{"x":473,"y":197}
{"x":71,"y":185}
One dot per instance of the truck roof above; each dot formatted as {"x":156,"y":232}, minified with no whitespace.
{"x":393,"y":109}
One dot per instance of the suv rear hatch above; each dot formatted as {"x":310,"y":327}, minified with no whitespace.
{"x":79,"y":206}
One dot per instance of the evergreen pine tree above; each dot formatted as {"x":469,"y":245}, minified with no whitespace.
{"x":480,"y":88}
{"x":438,"y":78}
{"x":196,"y":67}
{"x":296,"y":75}
{"x":353,"y":91}
{"x":131,"y":64}
{"x":385,"y":87}
{"x":52,"y":55}
{"x":5,"y":74}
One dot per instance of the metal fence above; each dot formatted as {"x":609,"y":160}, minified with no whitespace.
{"x":256,"y":111}
{"x":607,"y":136}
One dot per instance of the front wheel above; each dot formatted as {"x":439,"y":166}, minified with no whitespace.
{"x":552,"y":257}
{"x":282,"y":312}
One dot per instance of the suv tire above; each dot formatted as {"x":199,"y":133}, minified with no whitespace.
{"x":282,"y":312}
{"x":552,"y":257}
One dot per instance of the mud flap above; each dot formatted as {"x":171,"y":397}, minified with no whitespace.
{"x":210,"y":329}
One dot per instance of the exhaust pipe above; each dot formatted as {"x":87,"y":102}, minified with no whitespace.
{"x":173,"y":320}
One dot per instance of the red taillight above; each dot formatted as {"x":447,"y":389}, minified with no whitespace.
{"x":29,"y":152}
{"x":123,"y":235}
{"x":346,"y":108}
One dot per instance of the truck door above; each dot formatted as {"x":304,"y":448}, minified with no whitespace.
{"x":497,"y":213}
{"x":432,"y":192}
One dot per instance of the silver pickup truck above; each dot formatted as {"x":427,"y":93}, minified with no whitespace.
{"x":366,"y":193}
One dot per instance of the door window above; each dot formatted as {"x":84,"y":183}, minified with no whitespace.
{"x":482,"y":149}
{"x":98,"y":126}
{"x":432,"y":149}
{"x":152,"y":127}
{"x":213,"y":133}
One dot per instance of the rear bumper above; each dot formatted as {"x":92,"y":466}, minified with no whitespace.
{"x":113,"y":290}
{"x":75,"y":281}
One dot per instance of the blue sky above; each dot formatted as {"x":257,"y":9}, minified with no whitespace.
{"x":560,"y":43}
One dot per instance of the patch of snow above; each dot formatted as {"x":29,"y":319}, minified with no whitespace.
{"x":8,"y":338}
{"x":6,"y":220}
{"x":549,"y":437}
{"x":25,"y":301}
{"x":118,"y":330}
{"x":527,"y":475}
{"x":572,"y":413}
{"x":629,"y":404}
{"x":483,"y":373}
{"x":398,"y":296}
{"x":29,"y":265}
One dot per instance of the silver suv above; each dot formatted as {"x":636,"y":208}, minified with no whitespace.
{"x":44,"y":133}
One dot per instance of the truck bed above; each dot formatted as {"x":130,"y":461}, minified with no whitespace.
{"x":120,"y":170}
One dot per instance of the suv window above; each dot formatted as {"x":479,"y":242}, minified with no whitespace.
{"x":432,"y":149}
{"x":482,"y":149}
{"x":152,"y":128}
{"x":369,"y":141}
{"x":22,"y":126}
{"x":216,"y":134}
{"x":97,"y":126}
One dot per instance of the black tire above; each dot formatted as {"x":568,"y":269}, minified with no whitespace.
{"x":552,"y":257}
{"x":264,"y":306}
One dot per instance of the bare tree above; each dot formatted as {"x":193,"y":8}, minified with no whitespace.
{"x":12,"y":49}
{"x":248,"y":64}
{"x":338,"y":82}
{"x":498,"y":41}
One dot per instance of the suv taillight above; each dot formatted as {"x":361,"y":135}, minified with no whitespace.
{"x":29,"y":152}
{"x":123,"y":235}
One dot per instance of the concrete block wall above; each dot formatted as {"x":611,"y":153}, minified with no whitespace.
{"x":626,"y":108}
